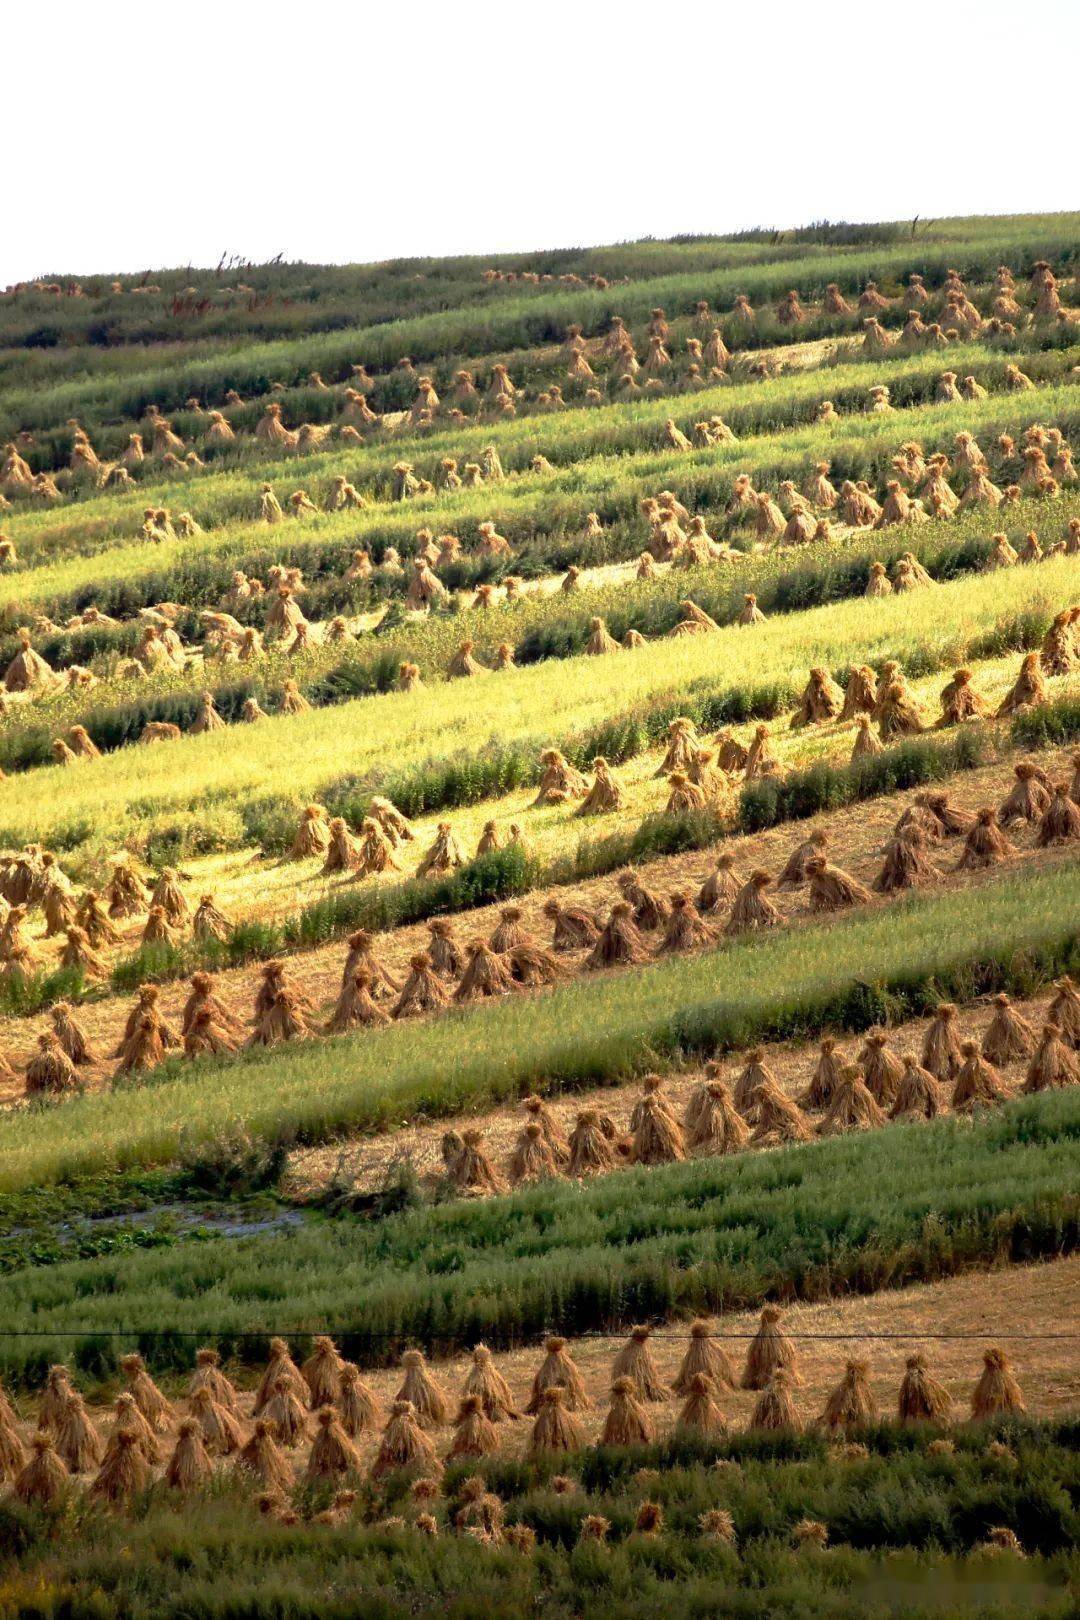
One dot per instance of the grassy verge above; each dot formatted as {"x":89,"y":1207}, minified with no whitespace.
{"x":113,"y":1214}
{"x":849,"y":1214}
{"x":904,"y":1529}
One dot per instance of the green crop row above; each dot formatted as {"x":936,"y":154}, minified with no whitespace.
{"x":846,"y":1215}
{"x":906,"y":1531}
{"x":1010,"y":932}
{"x":398,"y":739}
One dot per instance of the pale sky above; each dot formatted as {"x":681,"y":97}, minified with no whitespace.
{"x":152,"y":136}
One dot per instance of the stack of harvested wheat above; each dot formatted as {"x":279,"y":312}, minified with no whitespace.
{"x":321,"y":1422}
{"x":873,"y":1087}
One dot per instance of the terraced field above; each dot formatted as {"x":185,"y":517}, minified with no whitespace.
{"x":542,"y":796}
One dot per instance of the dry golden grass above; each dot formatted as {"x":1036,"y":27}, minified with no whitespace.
{"x":268,"y":890}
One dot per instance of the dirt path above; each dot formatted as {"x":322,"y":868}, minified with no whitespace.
{"x":1026,"y":1309}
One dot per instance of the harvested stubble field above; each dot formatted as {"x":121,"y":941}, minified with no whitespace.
{"x":613,"y":452}
{"x":950,"y":1322}
{"x":401,"y":736}
{"x":268,"y":890}
{"x":850,"y":1214}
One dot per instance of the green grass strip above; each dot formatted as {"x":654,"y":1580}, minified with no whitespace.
{"x":849,"y":1214}
{"x":403,"y":736}
{"x":906,"y":1525}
